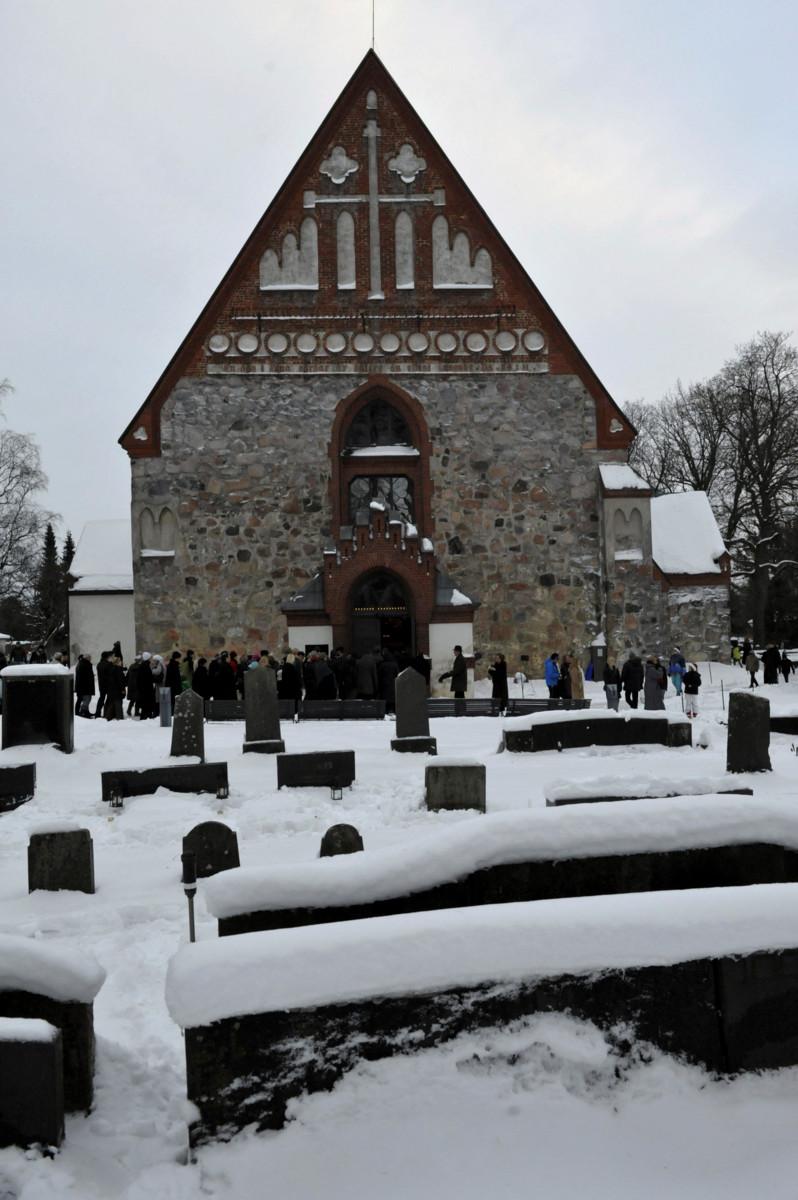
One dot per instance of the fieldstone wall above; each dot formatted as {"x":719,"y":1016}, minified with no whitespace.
{"x":245,"y":468}
{"x":699,"y":621}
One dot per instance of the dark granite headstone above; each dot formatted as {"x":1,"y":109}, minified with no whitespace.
{"x":261,"y":713}
{"x":61,"y":861}
{"x":340,"y":839}
{"x":748,"y":736}
{"x":76,"y":1022}
{"x":17,"y":785}
{"x":182,"y":777}
{"x":38,"y":707}
{"x":412,"y":717}
{"x":215,"y":846}
{"x":326,"y":768}
{"x":455,"y":786}
{"x":31,"y":1083}
{"x":188,"y":727}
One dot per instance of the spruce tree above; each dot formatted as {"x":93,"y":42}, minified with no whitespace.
{"x":67,"y":554}
{"x":50,"y":589}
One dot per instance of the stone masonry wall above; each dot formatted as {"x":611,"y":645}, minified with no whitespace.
{"x":245,"y":467}
{"x":699,"y":621}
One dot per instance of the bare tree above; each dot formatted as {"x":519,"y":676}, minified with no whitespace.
{"x":22,"y":520}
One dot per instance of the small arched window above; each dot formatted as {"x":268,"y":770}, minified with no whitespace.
{"x":377,"y":424}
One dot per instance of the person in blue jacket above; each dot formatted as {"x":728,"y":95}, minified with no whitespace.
{"x":676,"y":669}
{"x":551,"y":668}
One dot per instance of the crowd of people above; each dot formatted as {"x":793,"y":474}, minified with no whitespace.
{"x":774,"y":662}
{"x":566,"y":681}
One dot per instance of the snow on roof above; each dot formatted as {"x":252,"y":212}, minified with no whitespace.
{"x":28,"y":965}
{"x":620,"y":477}
{"x":575,"y":831}
{"x":427,"y":952}
{"x":685,"y":539}
{"x":103,"y":559}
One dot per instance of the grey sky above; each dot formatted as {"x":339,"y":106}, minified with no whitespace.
{"x":639,"y":158}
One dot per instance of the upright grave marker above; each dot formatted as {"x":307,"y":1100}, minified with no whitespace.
{"x":262,"y":713}
{"x":61,"y":860}
{"x":38,"y":706}
{"x":748,"y":735}
{"x":188,"y":727}
{"x":215,"y":847}
{"x":455,"y":785}
{"x":31,"y":1083}
{"x":412,"y":717}
{"x":340,"y":839}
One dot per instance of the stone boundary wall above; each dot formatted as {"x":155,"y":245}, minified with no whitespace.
{"x":714,"y":866}
{"x":728,"y":1014}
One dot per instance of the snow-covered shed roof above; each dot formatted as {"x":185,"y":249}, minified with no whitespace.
{"x":103,"y":560}
{"x":620,"y":477}
{"x":685,"y":538}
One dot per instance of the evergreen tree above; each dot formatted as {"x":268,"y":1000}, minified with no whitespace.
{"x":67,"y":554}
{"x":50,"y":589}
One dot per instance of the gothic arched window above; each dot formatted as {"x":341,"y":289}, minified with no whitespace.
{"x":377,"y":424}
{"x":394,"y":492}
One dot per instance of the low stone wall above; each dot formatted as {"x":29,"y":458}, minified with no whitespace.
{"x":729,"y":1014}
{"x":572,"y":735}
{"x":714,"y":866}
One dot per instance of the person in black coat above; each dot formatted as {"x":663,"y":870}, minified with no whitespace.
{"x":632,"y":679}
{"x":115,"y":690}
{"x":224,"y":680}
{"x":172,"y":678}
{"x":103,"y":670}
{"x":459,"y":678}
{"x":498,"y":675}
{"x":387,"y":670}
{"x":326,"y":687}
{"x":84,"y":684}
{"x":132,"y":687}
{"x":200,"y":681}
{"x":145,"y":686}
{"x":786,"y":666}
{"x":771,"y":661}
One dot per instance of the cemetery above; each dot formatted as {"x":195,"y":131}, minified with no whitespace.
{"x":355,"y":905}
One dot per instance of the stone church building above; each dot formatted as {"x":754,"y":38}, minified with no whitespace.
{"x":378,"y":432}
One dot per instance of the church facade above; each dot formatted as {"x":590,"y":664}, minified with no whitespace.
{"x":378,"y":432}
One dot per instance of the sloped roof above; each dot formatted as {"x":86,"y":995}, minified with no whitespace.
{"x":141,"y":438}
{"x":620,"y":477}
{"x":103,"y":559}
{"x":685,"y":538}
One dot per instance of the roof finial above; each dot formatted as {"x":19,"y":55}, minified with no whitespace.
{"x":372,"y":23}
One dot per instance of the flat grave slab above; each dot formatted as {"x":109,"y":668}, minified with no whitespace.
{"x":193,"y":777}
{"x":596,"y":729}
{"x":608,"y":790}
{"x":17,"y":786}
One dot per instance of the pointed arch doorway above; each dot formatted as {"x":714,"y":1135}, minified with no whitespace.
{"x":381,"y":614}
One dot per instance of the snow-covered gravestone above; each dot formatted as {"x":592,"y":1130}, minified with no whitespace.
{"x":188,"y":728}
{"x":61,"y":859}
{"x":340,"y":839}
{"x":215,"y":847}
{"x":262,"y":713}
{"x":38,"y":706}
{"x":412,"y":716}
{"x":31,"y":1083}
{"x":748,"y":735}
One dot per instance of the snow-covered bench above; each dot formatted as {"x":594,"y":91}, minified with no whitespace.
{"x":534,"y":854}
{"x":568,"y":730}
{"x":711,"y":975}
{"x":51,"y":983}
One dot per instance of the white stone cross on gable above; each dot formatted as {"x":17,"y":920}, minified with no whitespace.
{"x":374,"y":198}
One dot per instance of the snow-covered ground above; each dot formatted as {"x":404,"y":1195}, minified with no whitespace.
{"x":547,"y":1104}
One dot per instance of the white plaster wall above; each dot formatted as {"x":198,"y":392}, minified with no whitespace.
{"x":97,"y":621}
{"x":300,"y":636}
{"x":442,"y":640}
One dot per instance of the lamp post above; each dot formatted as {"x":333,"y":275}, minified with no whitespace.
{"x":189,"y":881}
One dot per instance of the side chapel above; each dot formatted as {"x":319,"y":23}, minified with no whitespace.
{"x":378,"y":432}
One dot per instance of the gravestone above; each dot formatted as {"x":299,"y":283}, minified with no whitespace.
{"x":38,"y":706}
{"x":452,"y":786}
{"x":340,"y":839}
{"x":31,"y":1083}
{"x":334,"y":769}
{"x":165,"y":706}
{"x":412,"y":717}
{"x":61,"y":860}
{"x":17,"y":785}
{"x":215,"y":847}
{"x":748,"y":735}
{"x":262,"y":713}
{"x":188,"y":727}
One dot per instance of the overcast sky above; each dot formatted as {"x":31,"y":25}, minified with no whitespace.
{"x":639,"y":156}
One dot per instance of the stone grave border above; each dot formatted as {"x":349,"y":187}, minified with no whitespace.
{"x":195,"y":777}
